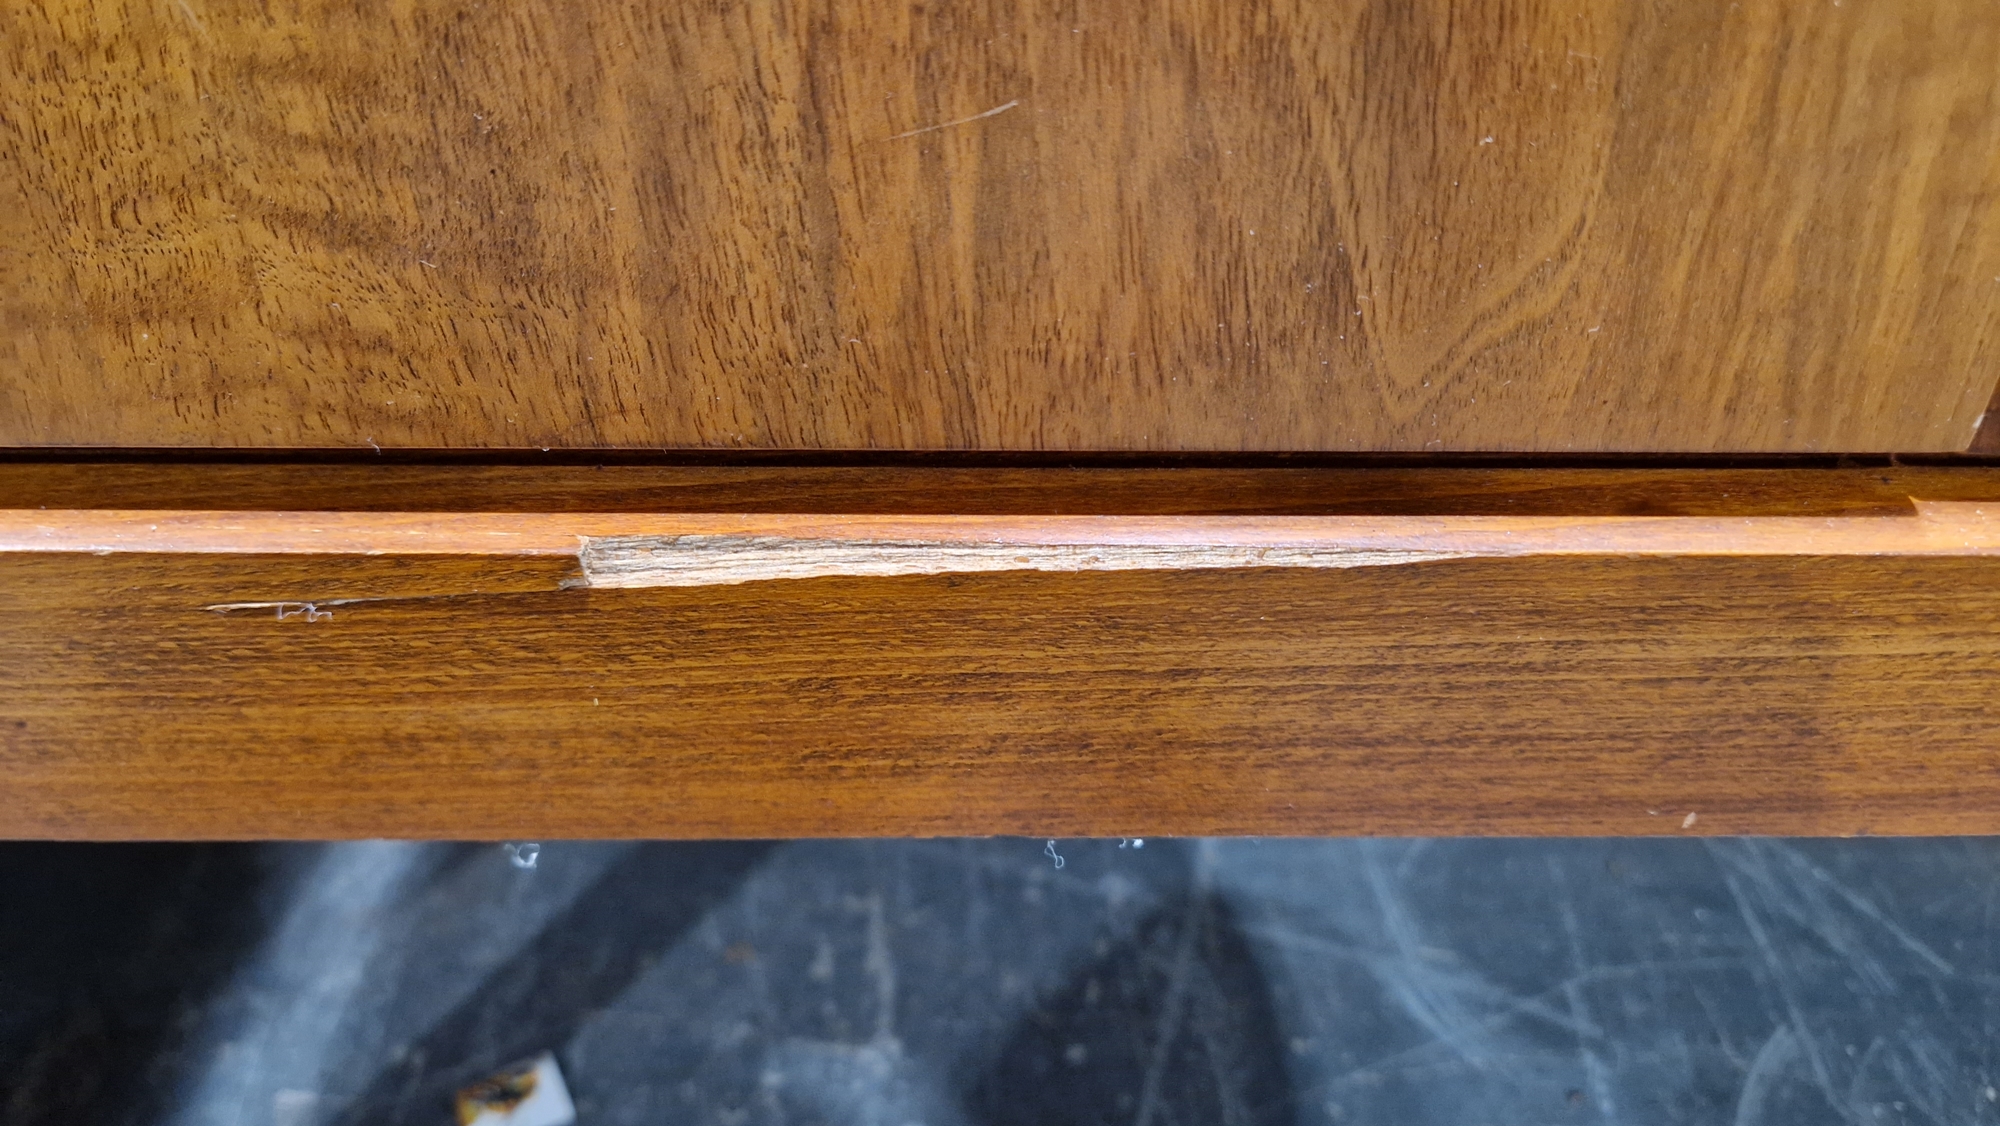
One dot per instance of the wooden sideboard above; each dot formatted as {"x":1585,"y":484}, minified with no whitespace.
{"x":1043,"y":416}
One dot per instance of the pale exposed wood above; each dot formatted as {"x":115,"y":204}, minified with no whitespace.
{"x":1076,"y":544}
{"x":1987,"y":441}
{"x":1005,"y":224}
{"x":635,"y":562}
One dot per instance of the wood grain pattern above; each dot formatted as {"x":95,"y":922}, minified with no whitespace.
{"x":1533,"y":696}
{"x":381,"y":486}
{"x":229,"y":695}
{"x":1008,"y":224}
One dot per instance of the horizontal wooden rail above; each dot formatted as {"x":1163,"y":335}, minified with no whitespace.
{"x":1818,"y":659}
{"x":642,"y":550}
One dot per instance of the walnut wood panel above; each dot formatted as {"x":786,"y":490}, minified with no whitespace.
{"x":372,"y":486}
{"x":1004,"y":224}
{"x":1607,"y":695}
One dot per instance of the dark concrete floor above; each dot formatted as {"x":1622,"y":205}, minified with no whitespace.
{"x":975,"y":983}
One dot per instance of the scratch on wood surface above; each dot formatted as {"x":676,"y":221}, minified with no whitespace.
{"x":286,"y":610}
{"x":196,"y":20}
{"x":320,"y":609}
{"x":996,"y":110}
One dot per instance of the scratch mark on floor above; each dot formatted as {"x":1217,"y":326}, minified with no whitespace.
{"x":1767,"y":1068}
{"x":1822,"y":1076}
{"x":1169,"y":1028}
{"x":1595,"y":1073}
{"x":1509,"y":1005}
{"x":1438,"y":1014}
{"x":1864,"y":906}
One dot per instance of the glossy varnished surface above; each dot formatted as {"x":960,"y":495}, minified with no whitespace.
{"x":238,"y":694}
{"x":382,"y":485}
{"x":1616,"y":696}
{"x":1021,"y":224}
